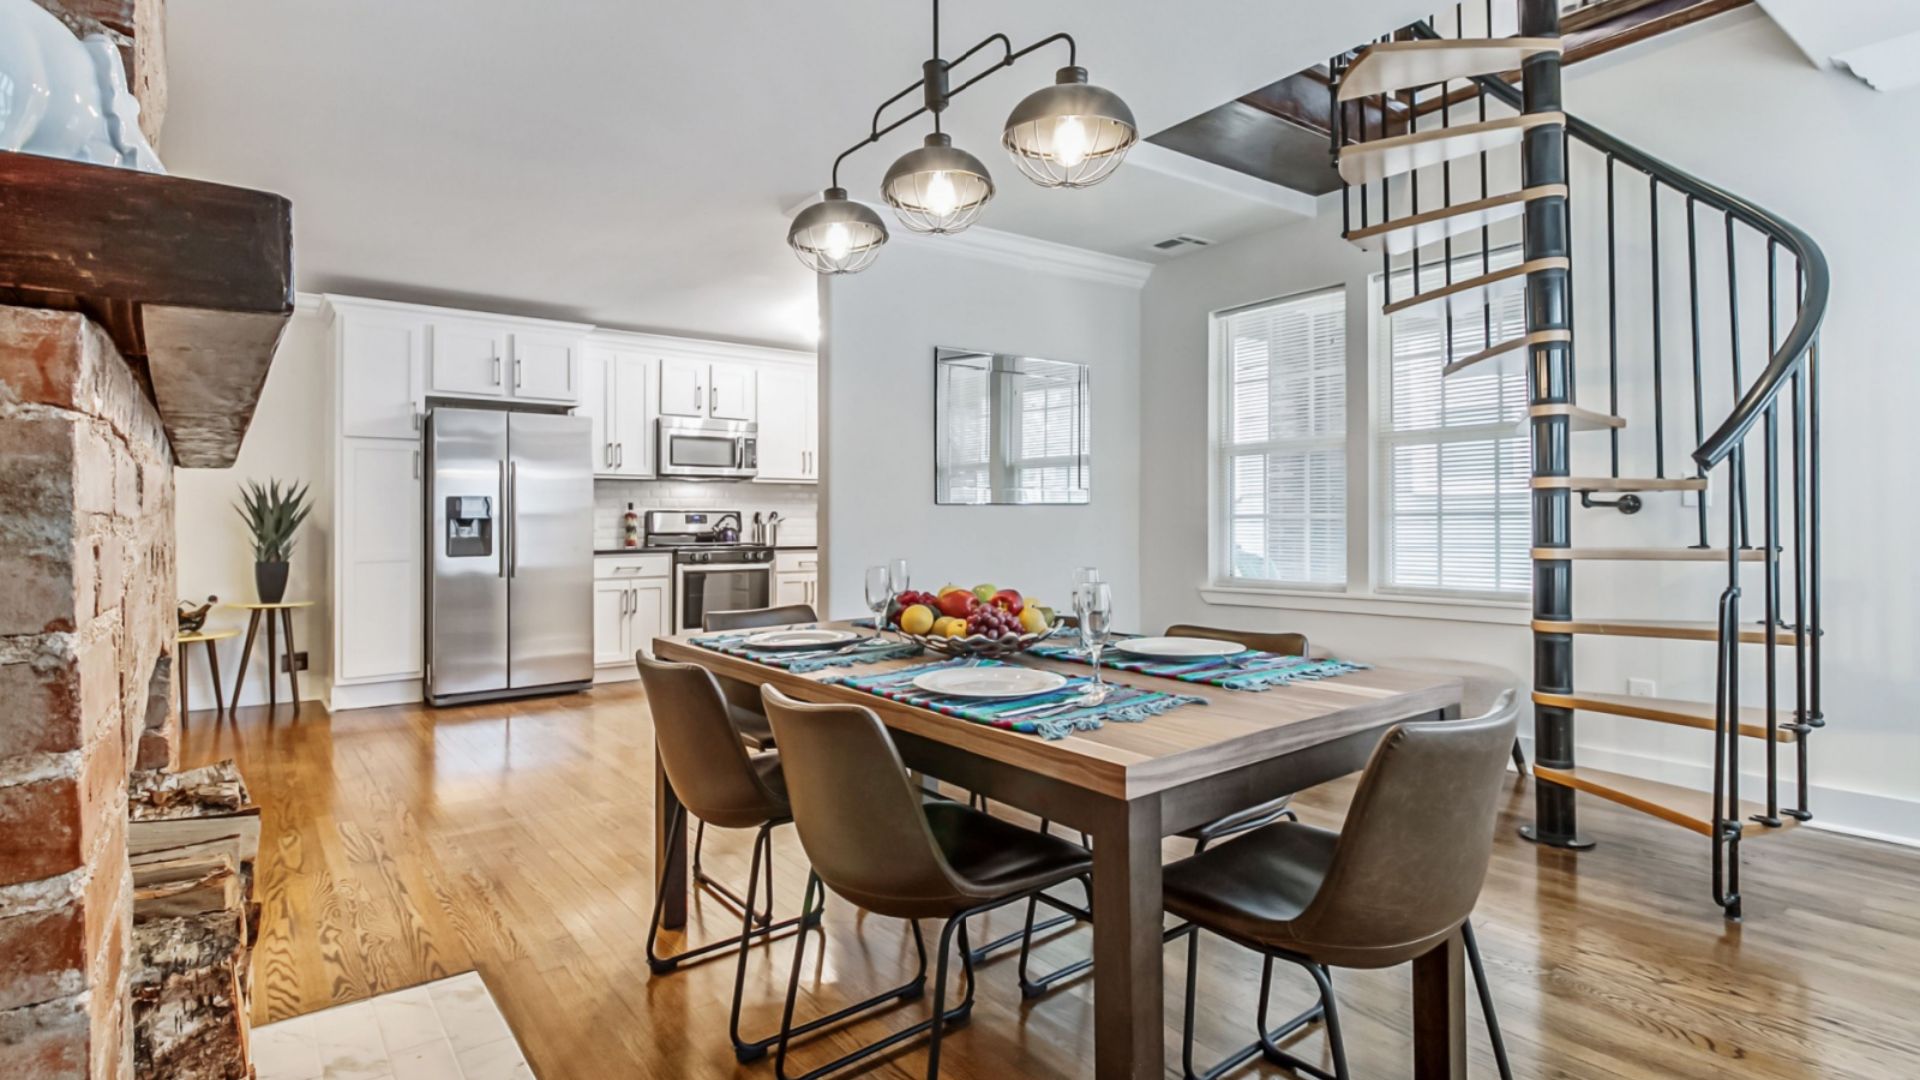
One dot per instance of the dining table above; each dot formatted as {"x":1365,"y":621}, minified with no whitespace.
{"x":1128,"y":786}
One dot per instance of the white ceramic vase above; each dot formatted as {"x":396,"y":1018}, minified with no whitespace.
{"x":64,"y":97}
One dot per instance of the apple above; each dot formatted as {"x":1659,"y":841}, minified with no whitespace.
{"x":949,"y":587}
{"x":958,"y":604}
{"x":1008,"y":599}
{"x":984,"y":593}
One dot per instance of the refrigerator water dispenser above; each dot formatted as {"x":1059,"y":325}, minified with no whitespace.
{"x":469,"y":526}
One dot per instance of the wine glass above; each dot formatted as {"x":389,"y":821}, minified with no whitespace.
{"x":1083,"y":575}
{"x":901,"y":576}
{"x":1093,"y":605}
{"x":879,"y":596}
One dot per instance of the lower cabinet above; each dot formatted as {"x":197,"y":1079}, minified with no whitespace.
{"x":796,"y":579}
{"x":379,"y":608}
{"x":632,"y":605}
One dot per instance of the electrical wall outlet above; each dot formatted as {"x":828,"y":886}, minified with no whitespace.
{"x":1640,"y":688}
{"x":297,"y":662}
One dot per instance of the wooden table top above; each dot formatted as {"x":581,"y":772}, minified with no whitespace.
{"x":206,"y":635}
{"x":1129,"y":760}
{"x":256,"y":606}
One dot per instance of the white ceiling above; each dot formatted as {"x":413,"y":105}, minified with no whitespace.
{"x":633,"y":164}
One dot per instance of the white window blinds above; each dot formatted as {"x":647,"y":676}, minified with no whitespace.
{"x":1453,"y":449}
{"x":1280,"y":450}
{"x":968,"y":394}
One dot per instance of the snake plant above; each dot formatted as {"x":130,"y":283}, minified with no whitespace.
{"x":272,"y":515}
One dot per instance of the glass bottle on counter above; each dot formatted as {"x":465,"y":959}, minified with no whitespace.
{"x":630,"y":524}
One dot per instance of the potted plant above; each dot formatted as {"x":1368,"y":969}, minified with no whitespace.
{"x":272,"y":515}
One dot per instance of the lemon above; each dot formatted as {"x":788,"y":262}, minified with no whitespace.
{"x":916,"y":619}
{"x":1033,"y":621}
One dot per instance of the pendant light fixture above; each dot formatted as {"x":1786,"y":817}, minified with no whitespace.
{"x":1067,"y":135}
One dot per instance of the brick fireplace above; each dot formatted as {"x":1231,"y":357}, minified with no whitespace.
{"x":86,"y":638}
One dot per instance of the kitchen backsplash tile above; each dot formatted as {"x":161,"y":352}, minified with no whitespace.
{"x":796,"y":503}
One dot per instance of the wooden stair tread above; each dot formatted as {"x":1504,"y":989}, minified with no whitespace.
{"x":1684,"y":807}
{"x":1649,"y":554}
{"x":1403,"y":234}
{"x":1508,"y":349}
{"x":1620,"y":483}
{"x":1408,"y":65}
{"x":1366,"y":162}
{"x":1693,"y":714}
{"x":1673,"y":629}
{"x":1472,"y":290}
{"x":1579,"y":419}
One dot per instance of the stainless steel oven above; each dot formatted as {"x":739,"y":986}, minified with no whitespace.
{"x":720,"y":579}
{"x":708,"y":449}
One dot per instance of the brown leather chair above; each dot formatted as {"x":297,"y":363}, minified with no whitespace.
{"x":1399,"y":878}
{"x":874,"y":841}
{"x":1480,"y":686}
{"x":719,"y":782}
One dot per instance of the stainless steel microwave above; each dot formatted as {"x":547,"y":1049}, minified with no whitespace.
{"x":693,"y":449}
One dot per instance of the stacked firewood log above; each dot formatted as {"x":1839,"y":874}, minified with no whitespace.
{"x":192,"y":839}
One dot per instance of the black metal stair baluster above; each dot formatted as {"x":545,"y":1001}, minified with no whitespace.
{"x":1336,"y":114}
{"x":1730,"y":723}
{"x":1819,"y":717}
{"x":1800,"y":702}
{"x":1699,"y":398}
{"x":1566,"y":178}
{"x":1486,"y":231}
{"x":1613,"y":330}
{"x":1659,"y":392}
{"x":1413,"y":198}
{"x":1386,"y":215}
{"x":1770,"y":496}
{"x":1739,"y":476}
{"x":1446,"y":201}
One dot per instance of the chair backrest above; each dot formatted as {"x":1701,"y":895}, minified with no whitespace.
{"x":859,"y":817}
{"x":754,"y":618}
{"x":700,"y":747}
{"x":1278,"y":644}
{"x":1413,"y":853}
{"x":1481,"y":684}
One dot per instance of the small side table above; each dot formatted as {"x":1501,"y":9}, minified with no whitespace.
{"x":180,"y":651}
{"x":282,"y":613}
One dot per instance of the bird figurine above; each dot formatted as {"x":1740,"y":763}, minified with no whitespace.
{"x":193,"y":618}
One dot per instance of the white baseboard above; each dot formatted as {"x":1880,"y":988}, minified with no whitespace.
{"x":374,"y":695}
{"x":1887,"y":818}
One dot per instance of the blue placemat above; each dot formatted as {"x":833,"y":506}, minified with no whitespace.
{"x":1052,"y":715}
{"x":869,"y":650}
{"x":1249,"y":670}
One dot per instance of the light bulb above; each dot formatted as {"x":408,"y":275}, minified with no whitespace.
{"x":942,"y":199}
{"x":838,"y":242}
{"x":1069,"y":142}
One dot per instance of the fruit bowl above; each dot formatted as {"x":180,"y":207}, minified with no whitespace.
{"x":976,"y":644}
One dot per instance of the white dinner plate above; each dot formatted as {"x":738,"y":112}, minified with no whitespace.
{"x":1177,"y":648}
{"x":799,"y":639}
{"x":990,"y":682}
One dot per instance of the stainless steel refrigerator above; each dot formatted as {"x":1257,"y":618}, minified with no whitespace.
{"x":510,"y":554}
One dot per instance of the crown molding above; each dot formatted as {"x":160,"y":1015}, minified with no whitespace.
{"x":1029,"y":253}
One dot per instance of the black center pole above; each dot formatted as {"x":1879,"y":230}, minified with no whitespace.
{"x":1550,"y":382}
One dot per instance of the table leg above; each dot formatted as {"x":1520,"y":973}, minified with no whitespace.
{"x":293,"y":672}
{"x":1440,"y":1012}
{"x":246,"y":653}
{"x":213,"y":665}
{"x":180,"y":673}
{"x":1128,"y":1022}
{"x":673,"y":914}
{"x":273,"y":658}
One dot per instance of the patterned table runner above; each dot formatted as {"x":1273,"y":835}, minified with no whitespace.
{"x":869,"y":650}
{"x":1052,"y":715}
{"x":1249,"y":670}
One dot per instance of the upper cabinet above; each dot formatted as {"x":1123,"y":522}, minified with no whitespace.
{"x":708,"y":389}
{"x":789,"y":424}
{"x":617,"y":394}
{"x":546,"y":366}
{"x":381,"y":357}
{"x":466,"y":358}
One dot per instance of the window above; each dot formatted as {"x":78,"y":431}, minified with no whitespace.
{"x":1279,"y":447}
{"x":1453,"y":450}
{"x":1050,"y":461}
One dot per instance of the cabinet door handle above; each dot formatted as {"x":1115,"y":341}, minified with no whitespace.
{"x":696,"y":395}
{"x":496,"y":368}
{"x":620,"y":455}
{"x":519,"y":372}
{"x":713,"y":399}
{"x":416,"y":464}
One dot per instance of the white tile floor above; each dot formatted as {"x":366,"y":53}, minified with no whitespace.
{"x":445,"y":1030}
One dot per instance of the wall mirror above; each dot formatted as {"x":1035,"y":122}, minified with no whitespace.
{"x":1009,"y":430}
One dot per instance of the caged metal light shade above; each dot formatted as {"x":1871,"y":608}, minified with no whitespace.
{"x":937,"y":188}
{"x":1071,"y":134}
{"x":837,"y":235}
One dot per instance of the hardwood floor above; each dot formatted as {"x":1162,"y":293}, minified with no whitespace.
{"x":408,"y":844}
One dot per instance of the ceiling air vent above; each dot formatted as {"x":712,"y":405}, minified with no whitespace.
{"x":1179,"y":243}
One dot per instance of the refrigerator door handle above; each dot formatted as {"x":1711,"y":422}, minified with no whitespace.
{"x":502,"y":526}
{"x":513,"y":518}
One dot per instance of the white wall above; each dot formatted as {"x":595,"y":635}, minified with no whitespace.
{"x":880,"y":329}
{"x":288,"y":442}
{"x":1816,"y":147}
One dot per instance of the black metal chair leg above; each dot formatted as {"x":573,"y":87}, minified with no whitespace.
{"x":1486,"y":1001}
{"x":660,"y":965}
{"x":939,"y":1021}
{"x":720,"y":889}
{"x":1519,"y":758}
{"x":1268,"y":1041}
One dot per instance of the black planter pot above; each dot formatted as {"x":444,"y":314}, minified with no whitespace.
{"x":270,"y":580}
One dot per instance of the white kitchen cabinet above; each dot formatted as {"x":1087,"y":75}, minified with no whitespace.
{"x":546,"y":366}
{"x":632,"y":605}
{"x":380,"y":617}
{"x":617,"y":394}
{"x":708,"y":389}
{"x":467,"y":358}
{"x":796,"y":578}
{"x":789,"y":425}
{"x":381,"y":357}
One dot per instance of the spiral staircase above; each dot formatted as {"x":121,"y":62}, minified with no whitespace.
{"x":1447,"y":135}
